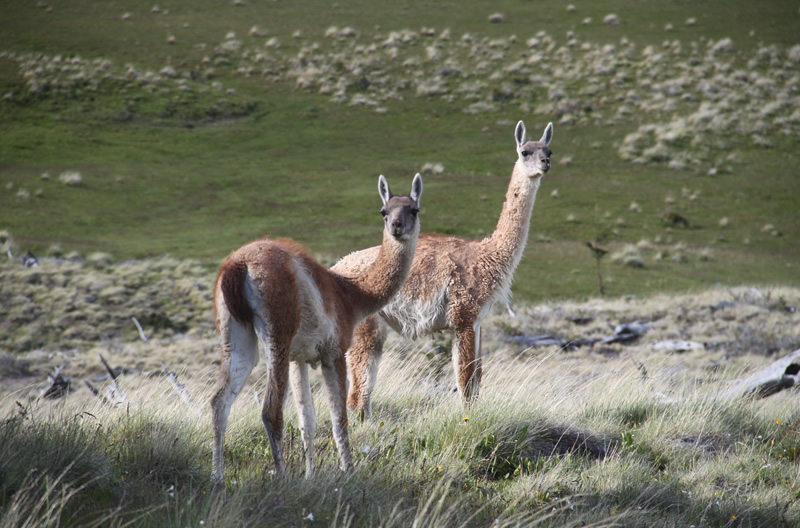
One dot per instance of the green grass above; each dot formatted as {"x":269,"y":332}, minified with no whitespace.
{"x":177,"y":172}
{"x":558,"y":437}
{"x":605,"y":451}
{"x":198,"y":173}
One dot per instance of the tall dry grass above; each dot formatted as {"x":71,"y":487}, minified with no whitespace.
{"x":596,"y":445}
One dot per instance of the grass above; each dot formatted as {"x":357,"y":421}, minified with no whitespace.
{"x":176,"y":166}
{"x":604,"y":450}
{"x":188,"y":148}
{"x":615,"y":434}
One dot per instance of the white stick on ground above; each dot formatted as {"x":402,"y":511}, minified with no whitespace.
{"x":180,"y":389}
{"x":139,"y":327}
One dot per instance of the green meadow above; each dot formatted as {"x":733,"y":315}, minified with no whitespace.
{"x":198,"y":126}
{"x":141,"y":143}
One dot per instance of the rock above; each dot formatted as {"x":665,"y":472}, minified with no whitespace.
{"x":678,"y":346}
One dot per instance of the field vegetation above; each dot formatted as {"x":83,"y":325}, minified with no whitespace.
{"x":627,"y":433}
{"x":141,"y":143}
{"x":196,"y":127}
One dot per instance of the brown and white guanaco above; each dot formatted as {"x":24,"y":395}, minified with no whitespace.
{"x":453,"y":282}
{"x":273,"y":292}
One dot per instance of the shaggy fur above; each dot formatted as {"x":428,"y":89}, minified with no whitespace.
{"x":453,"y":282}
{"x":273,"y":292}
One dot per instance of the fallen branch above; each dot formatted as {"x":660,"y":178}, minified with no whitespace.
{"x":139,"y":327}
{"x":59,"y":385}
{"x":623,"y":333}
{"x":94,"y":390}
{"x":29,"y":260}
{"x":678,"y":346}
{"x":626,"y":332}
{"x":115,"y":393}
{"x":180,"y":389}
{"x":548,"y":340}
{"x":781,"y":374}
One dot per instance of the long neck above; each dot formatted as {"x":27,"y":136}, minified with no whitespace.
{"x":506,"y":245}
{"x":384,"y":278}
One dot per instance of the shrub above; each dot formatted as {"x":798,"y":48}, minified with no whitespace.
{"x":70,"y":178}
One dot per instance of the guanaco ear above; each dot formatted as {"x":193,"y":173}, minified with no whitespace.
{"x":519,"y":134}
{"x":416,"y":189}
{"x":383,"y":189}
{"x":547,"y":137}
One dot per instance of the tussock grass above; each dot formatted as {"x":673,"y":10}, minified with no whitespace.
{"x":77,"y":300}
{"x":598,"y":444}
{"x":166,"y":136}
{"x":565,"y":437}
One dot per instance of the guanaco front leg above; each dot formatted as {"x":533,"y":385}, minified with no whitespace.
{"x":364,"y":358}
{"x":335,"y":377}
{"x":467,"y":361}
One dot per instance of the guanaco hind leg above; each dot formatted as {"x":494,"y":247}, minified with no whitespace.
{"x":301,"y":390}
{"x":239,"y":356}
{"x":272,"y":410}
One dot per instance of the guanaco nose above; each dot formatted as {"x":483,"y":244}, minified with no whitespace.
{"x":397,"y":227}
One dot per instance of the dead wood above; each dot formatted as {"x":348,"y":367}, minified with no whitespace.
{"x":624,"y":333}
{"x":781,"y":374}
{"x":115,"y":393}
{"x":180,"y":389}
{"x":59,"y":385}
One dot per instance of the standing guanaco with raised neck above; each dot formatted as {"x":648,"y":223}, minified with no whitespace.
{"x":273,"y":292}
{"x":453,"y":282}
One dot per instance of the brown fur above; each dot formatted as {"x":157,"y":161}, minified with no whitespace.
{"x":366,"y":336}
{"x":265,"y":291}
{"x":230,"y":282}
{"x":454,"y":281}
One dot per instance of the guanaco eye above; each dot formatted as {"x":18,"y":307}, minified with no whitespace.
{"x":525,"y":153}
{"x":383,"y":213}
{"x":414,"y":212}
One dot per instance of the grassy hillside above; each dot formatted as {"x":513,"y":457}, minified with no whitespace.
{"x":197,"y":126}
{"x":619,"y":433}
{"x":141,"y":143}
{"x":600,"y":450}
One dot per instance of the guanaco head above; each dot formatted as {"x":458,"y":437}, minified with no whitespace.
{"x":400,"y":212}
{"x":534,"y":155}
